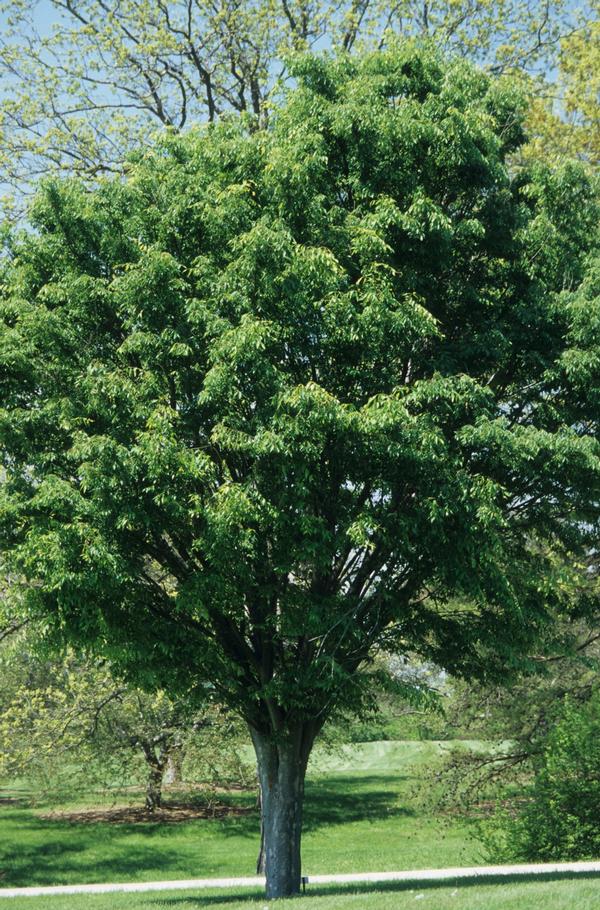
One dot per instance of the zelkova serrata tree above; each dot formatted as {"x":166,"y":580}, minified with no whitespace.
{"x":284,"y":397}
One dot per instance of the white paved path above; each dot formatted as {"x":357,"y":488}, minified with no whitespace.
{"x":421,"y":875}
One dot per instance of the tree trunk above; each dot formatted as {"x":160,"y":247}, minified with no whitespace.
{"x":281,"y":770}
{"x":154,"y":788}
{"x":260,"y":860}
{"x":173,"y":773}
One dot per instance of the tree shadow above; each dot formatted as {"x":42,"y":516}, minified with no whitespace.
{"x":63,"y":858}
{"x":47,"y":851}
{"x":340,"y":800}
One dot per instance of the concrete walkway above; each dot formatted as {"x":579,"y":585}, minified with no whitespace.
{"x":421,"y":875}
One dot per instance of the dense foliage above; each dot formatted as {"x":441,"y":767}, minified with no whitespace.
{"x":559,"y":820}
{"x":283,"y":397}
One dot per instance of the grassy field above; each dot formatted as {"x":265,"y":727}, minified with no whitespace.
{"x":360,"y":815}
{"x":552,"y":894}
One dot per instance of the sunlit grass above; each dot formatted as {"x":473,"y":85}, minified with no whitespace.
{"x":361,"y":815}
{"x":553,"y":893}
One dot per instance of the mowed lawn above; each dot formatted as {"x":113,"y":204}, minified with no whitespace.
{"x":361,"y":815}
{"x":563,"y":893}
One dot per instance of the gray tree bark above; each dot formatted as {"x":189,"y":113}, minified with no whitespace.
{"x":173,"y":772}
{"x":282,"y":769}
{"x":260,"y":860}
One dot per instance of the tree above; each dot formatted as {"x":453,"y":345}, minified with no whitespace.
{"x":68,"y":723}
{"x":284,"y":397}
{"x":517,"y":719}
{"x":565,"y":113}
{"x":86,"y":81}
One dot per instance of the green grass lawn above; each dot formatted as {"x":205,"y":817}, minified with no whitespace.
{"x":557,"y":893}
{"x":360,"y":816}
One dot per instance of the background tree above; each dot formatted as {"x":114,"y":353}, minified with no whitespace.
{"x":331,"y":398}
{"x":67,"y":725}
{"x":517,"y":719}
{"x":84,"y":82}
{"x":514,"y":722}
{"x":565,"y":113}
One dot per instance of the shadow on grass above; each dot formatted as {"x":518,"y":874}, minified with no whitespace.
{"x":64,"y":861}
{"x":368,"y":888}
{"x":42,"y":851}
{"x":46,"y":851}
{"x":339,"y":800}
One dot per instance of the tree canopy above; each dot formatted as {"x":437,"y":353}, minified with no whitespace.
{"x":565,"y":115}
{"x":283,"y":397}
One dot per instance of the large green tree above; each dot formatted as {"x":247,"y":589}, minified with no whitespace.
{"x":284,"y":397}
